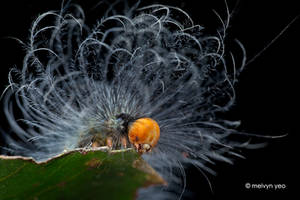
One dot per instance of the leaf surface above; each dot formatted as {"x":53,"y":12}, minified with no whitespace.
{"x":85,"y":175}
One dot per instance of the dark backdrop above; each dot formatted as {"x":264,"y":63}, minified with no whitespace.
{"x":266,"y":102}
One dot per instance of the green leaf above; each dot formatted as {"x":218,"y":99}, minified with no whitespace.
{"x":85,"y":175}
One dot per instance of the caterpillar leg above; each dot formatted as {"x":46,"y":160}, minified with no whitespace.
{"x":109,"y":142}
{"x":124,"y":142}
{"x":95,"y":144}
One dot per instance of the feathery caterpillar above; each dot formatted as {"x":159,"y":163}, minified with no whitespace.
{"x":147,"y":78}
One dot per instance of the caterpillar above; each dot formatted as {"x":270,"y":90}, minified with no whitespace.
{"x":147,"y":78}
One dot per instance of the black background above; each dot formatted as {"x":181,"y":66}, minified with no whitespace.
{"x":266,"y":102}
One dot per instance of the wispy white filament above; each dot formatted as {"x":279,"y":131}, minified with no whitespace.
{"x":151,"y":61}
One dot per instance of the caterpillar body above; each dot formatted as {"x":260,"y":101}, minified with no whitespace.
{"x":148,"y":78}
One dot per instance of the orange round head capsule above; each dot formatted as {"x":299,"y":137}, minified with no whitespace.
{"x":144,"y":134}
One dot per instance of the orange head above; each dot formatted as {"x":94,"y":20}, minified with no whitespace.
{"x":144,"y":134}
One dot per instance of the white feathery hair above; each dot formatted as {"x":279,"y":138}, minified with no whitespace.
{"x":151,"y":61}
